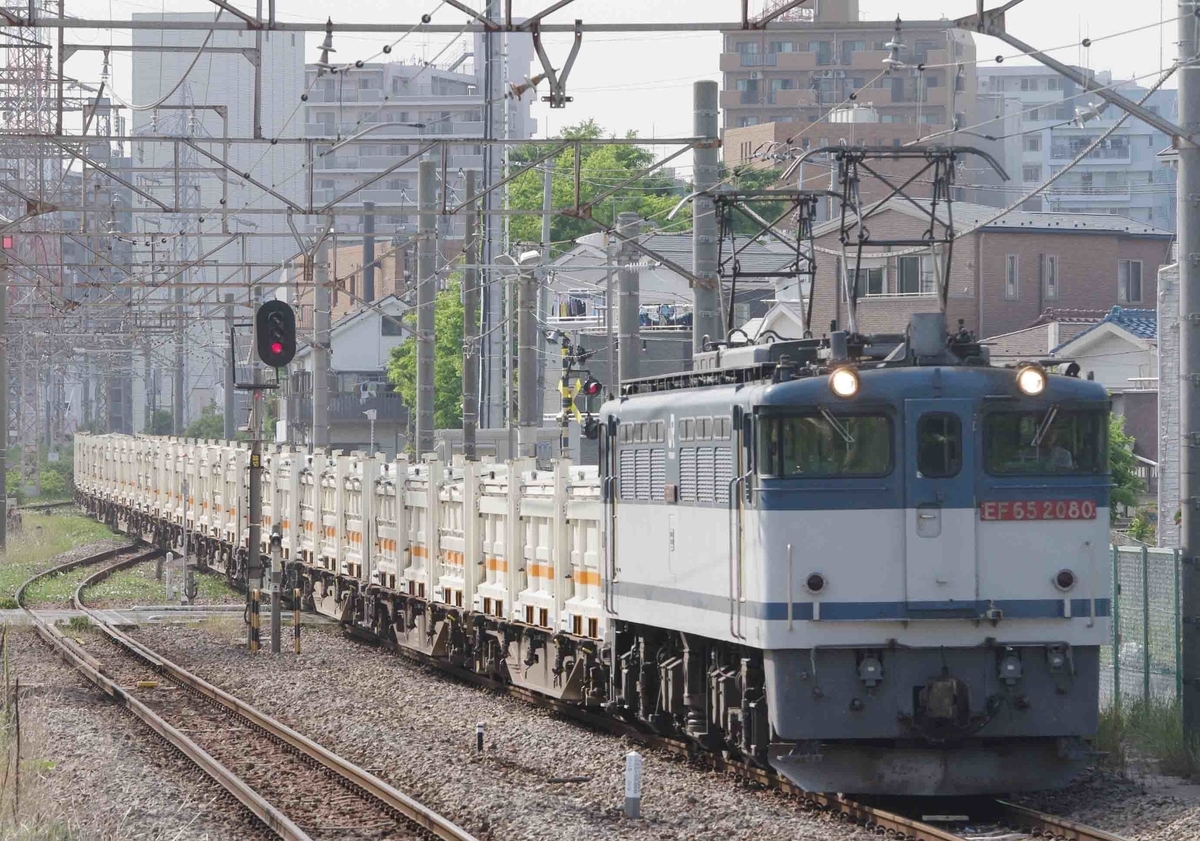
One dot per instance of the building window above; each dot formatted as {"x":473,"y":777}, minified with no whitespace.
{"x":1129,"y":280}
{"x":914,"y":275}
{"x":1053,"y":83}
{"x":869,"y":282}
{"x":1050,"y":277}
{"x":1033,"y":143}
{"x":1031,"y":173}
{"x":1012,"y":289}
{"x":783,"y":46}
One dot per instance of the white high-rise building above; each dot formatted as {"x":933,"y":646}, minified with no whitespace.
{"x":1056,"y":122}
{"x":209,"y":97}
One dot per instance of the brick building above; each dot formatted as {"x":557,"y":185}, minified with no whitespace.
{"x":1004,"y":274}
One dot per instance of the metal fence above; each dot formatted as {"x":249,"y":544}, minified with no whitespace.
{"x":1143,"y":659}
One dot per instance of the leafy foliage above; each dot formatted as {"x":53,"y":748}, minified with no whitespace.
{"x":160,"y":423}
{"x":210,"y":424}
{"x":600,"y":169}
{"x":1144,"y":526}
{"x":447,"y":355}
{"x":757,"y":179}
{"x":1126,"y":484}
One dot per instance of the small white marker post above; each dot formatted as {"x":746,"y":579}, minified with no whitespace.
{"x":633,"y":784}
{"x":479,"y":737}
{"x":170,"y":576}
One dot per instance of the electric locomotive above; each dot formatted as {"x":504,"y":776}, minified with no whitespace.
{"x":881,"y":568}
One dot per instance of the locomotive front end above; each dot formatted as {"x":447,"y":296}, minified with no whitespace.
{"x":941,"y":535}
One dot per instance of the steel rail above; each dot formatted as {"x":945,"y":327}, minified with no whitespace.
{"x":1041,"y":823}
{"x":373,"y":787}
{"x":92,"y":669}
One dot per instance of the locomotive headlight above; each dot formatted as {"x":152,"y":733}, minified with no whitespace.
{"x":844,"y":382}
{"x":1031,"y":379}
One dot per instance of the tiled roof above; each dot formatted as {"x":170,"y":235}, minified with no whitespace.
{"x":1140,"y":323}
{"x":968,"y":215}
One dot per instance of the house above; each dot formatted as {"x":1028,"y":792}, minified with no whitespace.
{"x":361,"y":344}
{"x":1005,"y":272}
{"x":1038,"y":340}
{"x":577,"y":280}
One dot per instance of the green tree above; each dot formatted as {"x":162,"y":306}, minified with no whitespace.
{"x":447,"y":356}
{"x":210,"y":424}
{"x":1126,"y":484}
{"x":747,"y":178}
{"x":160,"y":423}
{"x":601,"y":168}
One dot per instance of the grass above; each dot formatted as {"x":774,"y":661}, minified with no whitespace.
{"x":42,"y":538}
{"x":1153,"y":731}
{"x":137,"y":586}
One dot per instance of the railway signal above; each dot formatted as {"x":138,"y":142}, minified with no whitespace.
{"x":275,"y":332}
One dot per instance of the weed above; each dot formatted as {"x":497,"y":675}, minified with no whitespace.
{"x":1152,"y":730}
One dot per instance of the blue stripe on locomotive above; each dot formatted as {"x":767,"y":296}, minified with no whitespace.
{"x":990,"y":389}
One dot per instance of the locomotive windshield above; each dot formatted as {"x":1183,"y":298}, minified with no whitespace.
{"x":826,"y":445}
{"x":1045,"y":442}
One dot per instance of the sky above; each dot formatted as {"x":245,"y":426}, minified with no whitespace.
{"x":643,"y":82}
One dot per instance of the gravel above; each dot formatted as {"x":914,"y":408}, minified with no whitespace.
{"x":416,"y":729}
{"x":1139,"y":807}
{"x":104,"y":775}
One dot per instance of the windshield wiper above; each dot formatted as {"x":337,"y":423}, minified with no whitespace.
{"x":1044,"y":426}
{"x":841,"y":430}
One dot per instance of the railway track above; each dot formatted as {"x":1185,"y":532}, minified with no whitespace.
{"x":44,"y":506}
{"x":280,"y":776}
{"x":903,"y":818}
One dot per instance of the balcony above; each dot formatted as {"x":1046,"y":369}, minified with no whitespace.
{"x":790,"y":62}
{"x":1110,"y":155}
{"x":1091,"y":194}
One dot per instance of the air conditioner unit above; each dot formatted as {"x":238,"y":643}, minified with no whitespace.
{"x":826,"y":74}
{"x":754,"y":74}
{"x":839,"y":74}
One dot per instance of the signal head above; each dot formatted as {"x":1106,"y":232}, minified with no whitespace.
{"x":592,"y":387}
{"x":275,"y":333}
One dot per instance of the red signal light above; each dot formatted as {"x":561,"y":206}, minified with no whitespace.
{"x":8,"y":243}
{"x":276,"y":347}
{"x":592,"y":387}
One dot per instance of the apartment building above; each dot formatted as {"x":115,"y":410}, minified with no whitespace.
{"x":1057,"y":122}
{"x":393,"y":107}
{"x":776,"y":76}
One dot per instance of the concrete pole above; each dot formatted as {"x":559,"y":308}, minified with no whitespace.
{"x":610,"y":337}
{"x":230,"y":372}
{"x":471,"y":277}
{"x":321,"y":316}
{"x":368,"y":267}
{"x":1188,"y":232}
{"x":544,"y":284}
{"x":527,"y":385}
{"x":276,"y":595}
{"x":495,"y":349}
{"x":177,"y":390}
{"x":629,"y":294}
{"x":4,"y":401}
{"x":706,"y":309}
{"x":426,"y":289}
{"x":254,"y":543}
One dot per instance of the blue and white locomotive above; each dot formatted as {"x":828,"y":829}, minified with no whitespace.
{"x":881,"y":569}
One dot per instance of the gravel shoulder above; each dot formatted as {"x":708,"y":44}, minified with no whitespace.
{"x":416,"y":729}
{"x":99,"y":773}
{"x":1141,"y":806}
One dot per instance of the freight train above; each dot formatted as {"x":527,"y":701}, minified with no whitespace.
{"x":876,"y":565}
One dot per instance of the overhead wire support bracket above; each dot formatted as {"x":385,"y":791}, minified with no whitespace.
{"x":558,"y":82}
{"x":991,"y":22}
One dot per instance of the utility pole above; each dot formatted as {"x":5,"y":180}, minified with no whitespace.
{"x":230,"y":369}
{"x":706,"y":314}
{"x":254,"y":543}
{"x":527,"y":333}
{"x":471,"y":278}
{"x":177,"y":396}
{"x":544,"y":282}
{"x":368,"y":265}
{"x":426,"y":287}
{"x":610,"y":342}
{"x":630,"y":296}
{"x":320,"y":347}
{"x":4,"y":399}
{"x":496,"y":338}
{"x":1188,"y":227}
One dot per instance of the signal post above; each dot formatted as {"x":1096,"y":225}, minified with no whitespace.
{"x":275,"y":342}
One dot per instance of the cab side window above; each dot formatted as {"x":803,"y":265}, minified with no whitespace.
{"x":939,"y":445}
